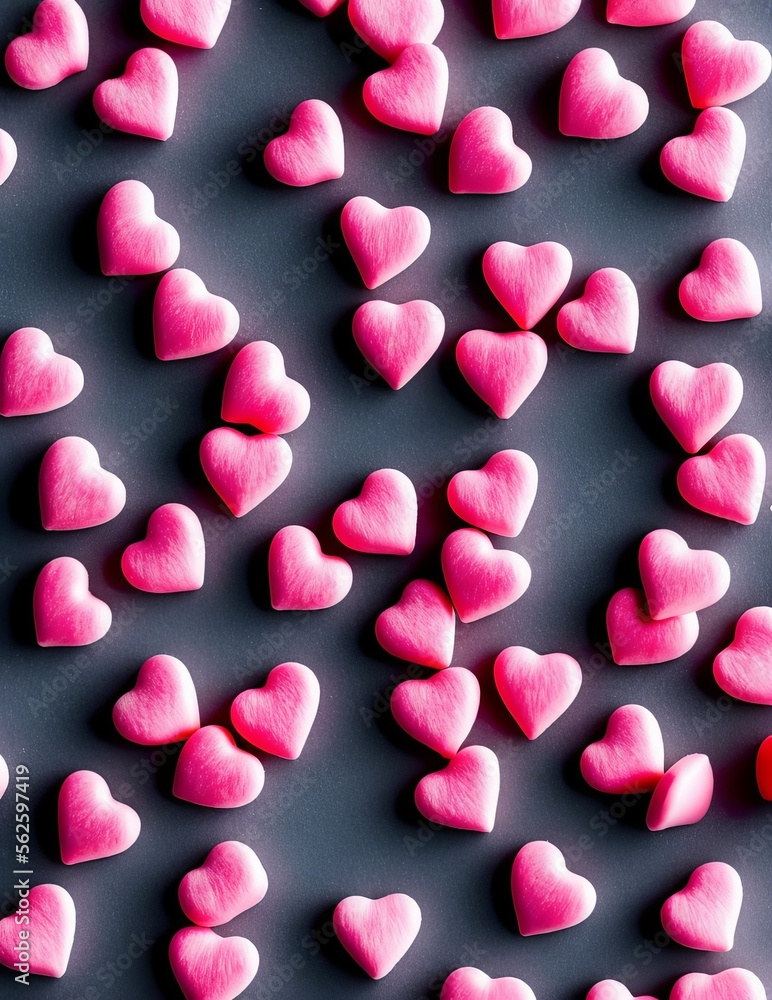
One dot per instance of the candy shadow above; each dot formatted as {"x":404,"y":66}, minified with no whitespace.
{"x":457,"y":385}
{"x":478,"y":14}
{"x":257,"y":576}
{"x":21,"y":621}
{"x":334,"y":950}
{"x":23,"y":501}
{"x":649,"y":420}
{"x":544,"y":105}
{"x":346,"y":349}
{"x":101,"y":721}
{"x":501,"y":891}
{"x":343,"y":262}
{"x":142,"y":320}
{"x":161,"y":967}
{"x":84,"y":245}
{"x":736,"y":789}
{"x":46,"y":821}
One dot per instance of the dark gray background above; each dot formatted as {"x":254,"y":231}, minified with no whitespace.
{"x":340,"y":820}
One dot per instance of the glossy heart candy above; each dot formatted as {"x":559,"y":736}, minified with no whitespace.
{"x":471,"y":984}
{"x":278,"y":717}
{"x":244,"y":469}
{"x":383,"y":518}
{"x":481,"y":580}
{"x":695,"y":403}
{"x":92,"y":824}
{"x":389,"y":30}
{"x":301,"y":576}
{"x":144,"y":100}
{"x":526,"y":18}
{"x":502,"y":368}
{"x":677,"y":579}
{"x":636,"y":638}
{"x":230,"y":881}
{"x":725,"y":286}
{"x":50,"y":932}
{"x":162,"y":707}
{"x":259,"y":392}
{"x":196,"y":23}
{"x":132,"y":239}
{"x":708,"y":162}
{"x":171,"y":557}
{"x":484,"y":158}
{"x":499,"y":496}
{"x":33,"y":377}
{"x":683,"y":796}
{"x":55,"y":48}
{"x":605,"y":318}
{"x":420,"y":627}
{"x":547,"y":896}
{"x":718,"y":68}
{"x":66,"y":612}
{"x":527,"y":281}
{"x":383,"y":241}
{"x":311,"y":151}
{"x":536,"y":689}
{"x":764,"y":769}
{"x":732,"y":984}
{"x":75,"y":491}
{"x":643,"y":15}
{"x":705,"y":912}
{"x":210,"y":967}
{"x":212,"y":771}
{"x":744,"y":668}
{"x":411,"y":94}
{"x":596,"y":102}
{"x":377,"y":932}
{"x":630,"y":758}
{"x":189,"y":321}
{"x":8,"y":155}
{"x":728,"y":481}
{"x":465,"y":793}
{"x":439,"y":711}
{"x":398,"y":340}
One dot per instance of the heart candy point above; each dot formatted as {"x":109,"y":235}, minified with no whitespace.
{"x":499,"y":496}
{"x":259,"y":392}
{"x":725,"y":286}
{"x":230,"y":881}
{"x":66,"y":613}
{"x":704,"y":914}
{"x":636,"y":638}
{"x":377,"y":932}
{"x":188,"y":321}
{"x":196,"y":23}
{"x":596,"y":102}
{"x":527,"y":18}
{"x":244,"y":469}
{"x":439,"y":711}
{"x":212,"y":771}
{"x":383,"y":518}
{"x":728,"y":481}
{"x":695,"y":403}
{"x":398,"y":340}
{"x":484,"y":158}
{"x":389,"y":30}
{"x":527,"y":281}
{"x":635,"y":14}
{"x":465,"y":793}
{"x":469,"y":983}
{"x":278,"y":717}
{"x":301,"y":576}
{"x":536,"y":689}
{"x":132,"y":239}
{"x":718,"y":68}
{"x":481,"y":580}
{"x":33,"y":377}
{"x":547,"y":896}
{"x":162,"y":707}
{"x":311,"y":151}
{"x":420,"y":627}
{"x":210,"y":967}
{"x":411,"y":94}
{"x":630,"y":758}
{"x":144,"y":100}
{"x":383,"y":241}
{"x":92,"y":824}
{"x":605,"y":318}
{"x":171,"y":557}
{"x":75,"y":491}
{"x":502,"y":368}
{"x":677,"y":579}
{"x":744,"y":668}
{"x":739,"y":984}
{"x":707,"y":163}
{"x":50,"y":927}
{"x":55,"y":48}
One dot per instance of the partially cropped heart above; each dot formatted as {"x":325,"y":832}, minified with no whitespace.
{"x":383,"y":241}
{"x":636,"y":638}
{"x":195,"y":24}
{"x":499,"y":496}
{"x":502,"y":368}
{"x":383,"y":518}
{"x":718,"y":68}
{"x":244,"y":469}
{"x":744,"y":668}
{"x":677,"y":579}
{"x":729,"y":481}
{"x":311,"y":151}
{"x":188,"y":320}
{"x":526,"y":18}
{"x":630,"y":758}
{"x":705,"y":912}
{"x":132,"y":239}
{"x":739,"y":984}
{"x":377,"y":932}
{"x":695,"y":403}
{"x":398,"y":340}
{"x":50,"y":924}
{"x":230,"y":881}
{"x":610,"y":989}
{"x":9,"y":154}
{"x":75,"y":491}
{"x":210,"y":967}
{"x":547,"y":896}
{"x":92,"y":824}
{"x":212,"y":771}
{"x":527,"y":281}
{"x":278,"y":717}
{"x":301,"y":576}
{"x":55,"y":48}
{"x":481,"y":580}
{"x":484,"y":158}
{"x":439,"y":711}
{"x":536,"y":689}
{"x":645,"y":15}
{"x":259,"y":392}
{"x":708,"y":162}
{"x":410,"y":94}
{"x":171,"y":557}
{"x":33,"y":377}
{"x":596,"y":102}
{"x":764,"y":768}
{"x":162,"y":707}
{"x":66,"y":612}
{"x":389,"y":30}
{"x":469,"y":983}
{"x":725,"y":286}
{"x":465,"y":794}
{"x":420,"y":627}
{"x":605,"y":318}
{"x":683,"y":795}
{"x":144,"y":100}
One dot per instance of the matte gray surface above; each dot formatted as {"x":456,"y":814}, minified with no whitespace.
{"x":340,"y":820}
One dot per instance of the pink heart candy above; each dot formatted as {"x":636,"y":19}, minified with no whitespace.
{"x":50,"y":925}
{"x":705,"y":912}
{"x":170,"y":558}
{"x":322,"y":7}
{"x":605,"y":318}
{"x":383,"y":518}
{"x":4,"y":776}
{"x":259,"y":392}
{"x":596,"y":102}
{"x":744,"y":668}
{"x":278,"y":717}
{"x":481,"y":580}
{"x":75,"y":491}
{"x":411,"y":94}
{"x":677,"y":579}
{"x":132,"y":239}
{"x":212,"y":771}
{"x":230,"y":881}
{"x":389,"y":30}
{"x":311,"y":151}
{"x":210,"y":967}
{"x":547,"y":896}
{"x":732,"y":984}
{"x":644,"y":15}
{"x":144,"y":100}
{"x":683,"y":795}
{"x":383,"y":241}
{"x":630,"y":758}
{"x":484,"y":158}
{"x":502,"y":368}
{"x":526,"y":18}
{"x":725,"y":286}
{"x":499,"y":496}
{"x":636,"y":638}
{"x":33,"y":377}
{"x":92,"y":824}
{"x":527,"y":281}
{"x":718,"y":68}
{"x":8,"y":155}
{"x":420,"y":627}
{"x":472,"y":984}
{"x":398,"y":340}
{"x":55,"y":48}
{"x":301,"y":576}
{"x":244,"y":469}
{"x":440,"y":711}
{"x":66,"y":612}
{"x":188,"y":321}
{"x":162,"y":707}
{"x":707,"y":163}
{"x":465,"y":793}
{"x":196,"y":23}
{"x":728,"y":481}
{"x":610,"y":989}
{"x":536,"y":689}
{"x":377,"y":932}
{"x":695,"y":403}
{"x":764,"y":769}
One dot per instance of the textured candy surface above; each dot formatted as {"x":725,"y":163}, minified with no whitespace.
{"x":398,"y":340}
{"x":55,"y":48}
{"x":536,"y":689}
{"x":526,"y":18}
{"x":718,"y":68}
{"x":683,"y":795}
{"x":677,"y":579}
{"x":728,"y":481}
{"x":212,"y":771}
{"x":132,"y":238}
{"x":259,"y":392}
{"x":311,"y":151}
{"x":527,"y":281}
{"x":744,"y":668}
{"x":708,"y":162}
{"x":231,"y":880}
{"x":390,"y":28}
{"x":420,"y":627}
{"x":439,"y":711}
{"x":74,"y":490}
{"x":377,"y":932}
{"x":725,"y":286}
{"x":162,"y":707}
{"x":143,"y":101}
{"x":196,"y":23}
{"x":596,"y":102}
{"x":383,"y":241}
{"x":502,"y":368}
{"x":605,"y":317}
{"x":465,"y":793}
{"x":188,"y":320}
{"x":484,"y":158}
{"x":705,"y":912}
{"x":644,"y":15}
{"x":411,"y":94}
{"x":92,"y":824}
{"x":630,"y":758}
{"x":469,"y":983}
{"x":498,"y":497}
{"x":610,"y":989}
{"x":278,"y":717}
{"x":170,"y":558}
{"x":50,"y":932}
{"x":33,"y":377}
{"x":547,"y":896}
{"x":244,"y":469}
{"x":695,"y":403}
{"x":301,"y":576}
{"x":481,"y":580}
{"x":210,"y":967}
{"x":383,"y":518}
{"x":637,"y":638}
{"x":732,"y":984}
{"x":66,"y":613}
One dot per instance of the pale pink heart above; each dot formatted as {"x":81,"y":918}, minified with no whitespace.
{"x":630,"y":758}
{"x":162,"y":707}
{"x":212,"y":771}
{"x":8,"y":155}
{"x":132,"y":239}
{"x":322,"y":7}
{"x":301,"y":576}
{"x":383,"y":518}
{"x":728,"y":481}
{"x":196,"y":23}
{"x":311,"y":151}
{"x":465,"y":793}
{"x":439,"y":711}
{"x":471,"y":984}
{"x":725,"y":286}
{"x":484,"y":158}
{"x":502,"y":368}
{"x":744,"y":668}
{"x":481,"y":580}
{"x":704,"y":914}
{"x":677,"y":579}
{"x":209,"y":967}
{"x":383,"y":241}
{"x":695,"y":403}
{"x":644,"y":15}
{"x":605,"y":317}
{"x":230,"y":881}
{"x":170,"y":558}
{"x":718,"y":68}
{"x":259,"y":392}
{"x":50,"y":932}
{"x":683,"y":796}
{"x":66,"y":613}
{"x":389,"y":30}
{"x":143,"y":101}
{"x":377,"y":933}
{"x":411,"y":94}
{"x":526,"y":18}
{"x":420,"y":627}
{"x":92,"y":824}
{"x":188,"y":321}
{"x":75,"y":491}
{"x":398,"y":340}
{"x":764,"y":769}
{"x":547,"y":896}
{"x":610,"y":989}
{"x":596,"y":102}
{"x":527,"y":281}
{"x":55,"y":48}
{"x":498,"y":497}
{"x":33,"y":377}
{"x":278,"y":717}
{"x":732,"y":984}
{"x":536,"y":689}
{"x":244,"y":469}
{"x":708,"y":162}
{"x":636,"y":638}
{"x":4,"y":776}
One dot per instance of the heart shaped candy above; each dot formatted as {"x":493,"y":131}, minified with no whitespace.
{"x":683,"y":795}
{"x":744,"y":668}
{"x":527,"y":281}
{"x":377,"y":932}
{"x":196,"y":23}
{"x":8,"y":155}
{"x":390,"y":30}
{"x":188,"y":320}
{"x":162,"y":707}
{"x":383,"y":518}
{"x":705,"y":912}
{"x":244,"y":469}
{"x":677,"y":579}
{"x":278,"y":717}
{"x":212,"y":771}
{"x":636,"y":638}
{"x":484,"y":158}
{"x":630,"y":759}
{"x":144,"y":100}
{"x":596,"y":102}
{"x":311,"y":151}
{"x":644,"y":15}
{"x":502,"y":368}
{"x":725,"y":286}
{"x":465,"y":793}
{"x":610,"y":989}
{"x":33,"y":377}
{"x":55,"y":48}
{"x":536,"y":690}
{"x":75,"y":491}
{"x":170,"y":559}
{"x":259,"y":392}
{"x":4,"y":776}
{"x":230,"y":881}
{"x":420,"y":627}
{"x":210,"y":967}
{"x":708,"y":162}
{"x":695,"y":403}
{"x":718,"y":68}
{"x":398,"y":340}
{"x":499,"y":496}
{"x":764,"y":769}
{"x":728,"y":481}
{"x":132,"y":239}
{"x":322,"y":7}
{"x":481,"y":580}
{"x":732,"y":984}
{"x":50,"y":932}
{"x":526,"y":18}
{"x":547,"y":896}
{"x":66,"y":613}
{"x":472,"y":984}
{"x":301,"y":576}
{"x":411,"y":94}
{"x":605,"y":318}
{"x":383,"y":241}
{"x":440,"y":711}
{"x":92,"y":824}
